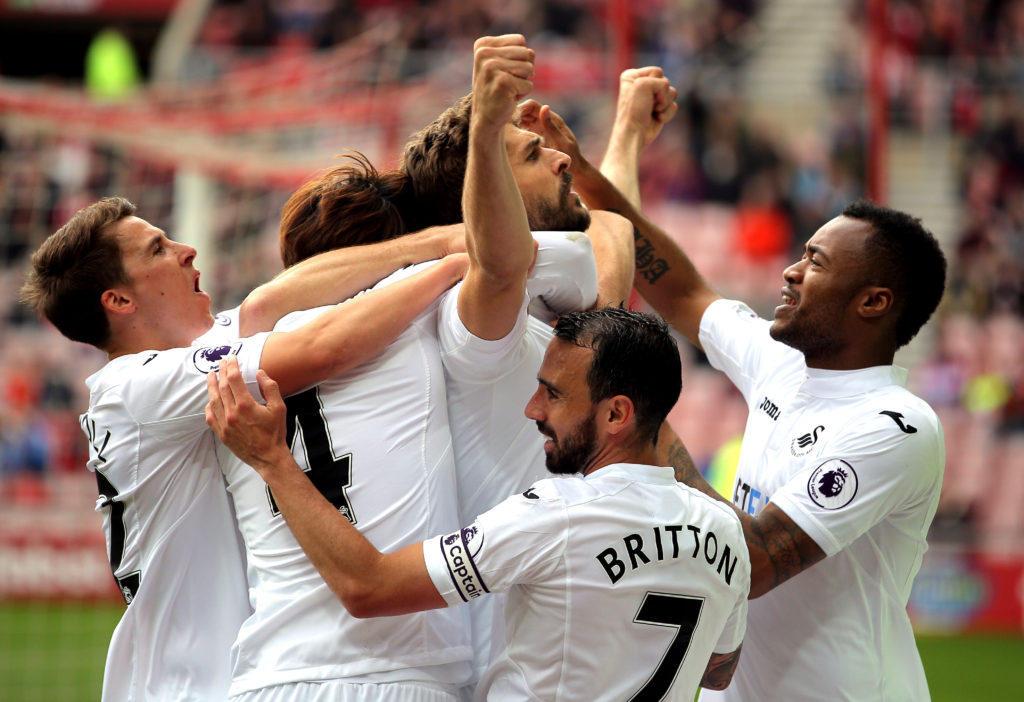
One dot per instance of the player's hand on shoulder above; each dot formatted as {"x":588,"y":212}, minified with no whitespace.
{"x":253,"y":432}
{"x":502,"y":72}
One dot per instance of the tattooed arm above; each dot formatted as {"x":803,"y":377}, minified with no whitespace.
{"x":647,"y":101}
{"x":718,"y":674}
{"x":779,"y":549}
{"x":664,"y":275}
{"x":672,"y":452}
{"x":667,"y":279}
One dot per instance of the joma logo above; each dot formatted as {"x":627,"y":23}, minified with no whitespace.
{"x":770,"y":408}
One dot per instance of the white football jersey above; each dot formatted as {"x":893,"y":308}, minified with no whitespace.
{"x":498,"y":451}
{"x":621,"y":585}
{"x":375,"y":441}
{"x":563,"y":277}
{"x":856,"y":461}
{"x":171,"y":537}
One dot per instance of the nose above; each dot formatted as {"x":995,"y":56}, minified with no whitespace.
{"x":533,"y":407}
{"x":560,"y":161}
{"x":792,"y":272}
{"x":186,"y":254}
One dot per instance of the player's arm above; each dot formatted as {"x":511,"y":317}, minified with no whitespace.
{"x":718,"y":674}
{"x":498,"y":239}
{"x":779,"y":549}
{"x":611,"y":237}
{"x":333,"y":276}
{"x":664,"y":274}
{"x":647,"y":101}
{"x":368,"y":582}
{"x":355,"y":331}
{"x":672,"y":452}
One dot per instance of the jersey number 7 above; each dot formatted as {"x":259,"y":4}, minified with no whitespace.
{"x":307,"y":426}
{"x":681,"y":612}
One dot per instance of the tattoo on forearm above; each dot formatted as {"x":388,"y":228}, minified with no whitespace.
{"x":720,"y":669}
{"x":648,"y":263}
{"x":778,"y":542}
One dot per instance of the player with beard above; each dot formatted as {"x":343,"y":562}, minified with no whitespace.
{"x":496,"y":452}
{"x":376,"y":442}
{"x":622,"y":582}
{"x":838,"y":461}
{"x":839,"y":464}
{"x":491,"y":359}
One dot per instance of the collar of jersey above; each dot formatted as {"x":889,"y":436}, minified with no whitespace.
{"x":632,"y":471}
{"x":832,"y":383}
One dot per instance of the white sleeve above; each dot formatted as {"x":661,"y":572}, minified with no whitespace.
{"x":564,"y":276}
{"x":737,"y":343}
{"x":519,"y":541}
{"x":735,"y":627}
{"x":170,"y":384}
{"x":872,"y":470}
{"x":468,"y":358}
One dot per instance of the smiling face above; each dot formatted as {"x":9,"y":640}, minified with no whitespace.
{"x":563,"y":410}
{"x":820,"y":298}
{"x":545,"y":184}
{"x":163,"y":284}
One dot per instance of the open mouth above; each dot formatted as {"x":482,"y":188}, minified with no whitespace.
{"x":546,"y":433}
{"x":788,"y":302}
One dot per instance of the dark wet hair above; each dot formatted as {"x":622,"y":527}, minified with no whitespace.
{"x":634,"y":355}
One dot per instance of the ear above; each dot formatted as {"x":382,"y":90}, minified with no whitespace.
{"x":116,"y":302}
{"x":875,"y":301}
{"x":617,"y":414}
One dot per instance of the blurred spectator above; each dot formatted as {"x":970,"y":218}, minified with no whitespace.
{"x":751,"y":199}
{"x":111,"y":69}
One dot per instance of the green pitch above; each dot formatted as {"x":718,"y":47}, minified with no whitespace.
{"x":55,"y":653}
{"x":974,"y":668}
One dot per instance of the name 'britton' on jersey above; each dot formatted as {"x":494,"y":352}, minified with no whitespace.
{"x":669,"y":541}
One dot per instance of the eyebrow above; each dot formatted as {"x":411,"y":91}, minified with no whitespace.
{"x":548,"y":385}
{"x":531,"y":145}
{"x":817,"y":250}
{"x":154,"y":241}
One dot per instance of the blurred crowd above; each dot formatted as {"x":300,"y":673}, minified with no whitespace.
{"x":956,"y":68}
{"x":742,"y":198}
